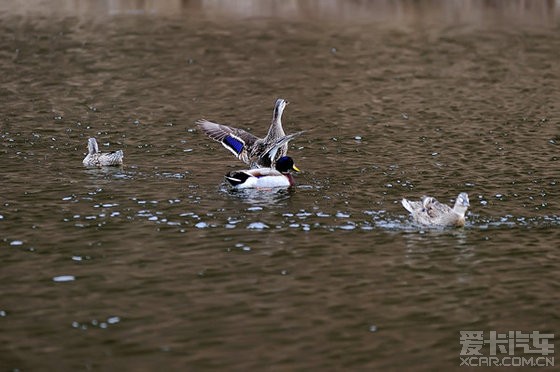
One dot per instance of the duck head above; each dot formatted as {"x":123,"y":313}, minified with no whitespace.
{"x":462,"y":204}
{"x":286,"y":164}
{"x":92,"y":146}
{"x":279,"y":107}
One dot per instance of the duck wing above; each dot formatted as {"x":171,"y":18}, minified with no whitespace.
{"x":235,"y":140}
{"x":435,"y":209}
{"x":442,"y":214}
{"x":271,"y":151}
{"x":263,"y":172}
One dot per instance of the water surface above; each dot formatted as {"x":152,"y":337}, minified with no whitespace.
{"x":158,"y":264}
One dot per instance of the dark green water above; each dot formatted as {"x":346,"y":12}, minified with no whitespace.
{"x":156,"y":265}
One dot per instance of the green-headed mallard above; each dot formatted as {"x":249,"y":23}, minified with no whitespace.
{"x":264,"y":177}
{"x":430,"y":212}
{"x":254,"y":151}
{"x":94,"y":158}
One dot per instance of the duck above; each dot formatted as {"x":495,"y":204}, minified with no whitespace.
{"x":94,"y":158}
{"x":252,"y":150}
{"x":279,"y":176}
{"x":430,"y":212}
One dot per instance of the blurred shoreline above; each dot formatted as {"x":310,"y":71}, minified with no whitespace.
{"x":545,"y":12}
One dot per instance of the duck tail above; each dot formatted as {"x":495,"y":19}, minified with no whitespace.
{"x":236,"y":178}
{"x":406,"y":204}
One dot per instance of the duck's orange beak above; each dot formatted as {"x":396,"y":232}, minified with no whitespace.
{"x":295,"y":168}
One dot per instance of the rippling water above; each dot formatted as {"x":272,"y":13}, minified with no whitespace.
{"x":158,"y":264}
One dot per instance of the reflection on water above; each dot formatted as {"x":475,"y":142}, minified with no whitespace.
{"x":259,"y":197}
{"x":157,"y":263}
{"x":403,"y":12}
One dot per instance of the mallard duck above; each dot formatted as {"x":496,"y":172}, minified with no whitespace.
{"x":430,"y":212}
{"x":264,"y":177}
{"x":252,"y":150}
{"x":94,"y":158}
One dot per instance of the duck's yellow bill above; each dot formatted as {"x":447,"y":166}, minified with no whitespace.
{"x":295,"y":168}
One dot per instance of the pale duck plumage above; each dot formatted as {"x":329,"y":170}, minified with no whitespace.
{"x":430,"y":212}
{"x":95,"y":158}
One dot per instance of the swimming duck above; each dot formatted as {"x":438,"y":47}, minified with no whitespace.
{"x":264,"y":177}
{"x":94,"y":158}
{"x":252,"y":150}
{"x":430,"y":212}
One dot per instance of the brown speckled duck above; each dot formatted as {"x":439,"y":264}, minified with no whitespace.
{"x":430,"y":212}
{"x":252,"y":150}
{"x":94,"y":158}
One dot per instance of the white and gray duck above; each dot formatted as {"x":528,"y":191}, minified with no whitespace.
{"x":430,"y":212}
{"x":264,"y":178}
{"x":95,"y":158}
{"x":252,"y":150}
